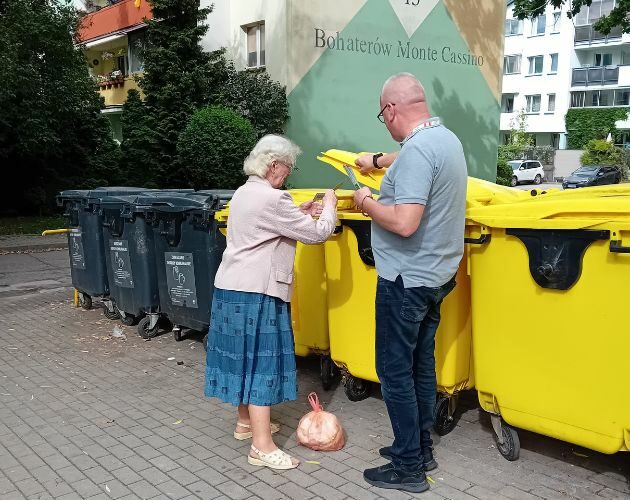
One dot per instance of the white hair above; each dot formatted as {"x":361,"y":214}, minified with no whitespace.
{"x":268,"y":149}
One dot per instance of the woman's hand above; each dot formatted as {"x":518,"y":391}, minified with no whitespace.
{"x":330,"y":198}
{"x":311,"y":208}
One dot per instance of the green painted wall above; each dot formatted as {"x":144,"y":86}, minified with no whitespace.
{"x":336,"y":103}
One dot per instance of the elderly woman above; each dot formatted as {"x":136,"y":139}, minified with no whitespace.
{"x":251,"y":360}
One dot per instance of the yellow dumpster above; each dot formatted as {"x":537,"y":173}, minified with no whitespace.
{"x":309,"y":305}
{"x":351,"y":278}
{"x":549,"y":308}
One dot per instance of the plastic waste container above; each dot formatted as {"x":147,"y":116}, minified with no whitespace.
{"x":130,"y":260}
{"x":85,"y":243}
{"x":309,"y":313}
{"x":351,"y":283}
{"x":550,"y":328}
{"x":188,"y":250}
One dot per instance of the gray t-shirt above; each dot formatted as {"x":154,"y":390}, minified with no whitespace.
{"x":430,"y":170}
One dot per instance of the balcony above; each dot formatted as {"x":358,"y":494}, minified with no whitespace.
{"x":121,"y":16}
{"x":586,"y":35}
{"x":596,"y":75}
{"x":114,"y":89}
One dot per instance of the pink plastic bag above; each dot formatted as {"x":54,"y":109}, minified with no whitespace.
{"x":320,"y":430}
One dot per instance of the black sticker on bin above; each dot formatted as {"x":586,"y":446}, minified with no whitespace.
{"x":121,"y":264}
{"x":555,"y":255}
{"x":363,"y":232}
{"x":180,"y":279}
{"x":77,"y":256}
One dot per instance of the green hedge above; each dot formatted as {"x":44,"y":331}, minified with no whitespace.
{"x":584,"y":125}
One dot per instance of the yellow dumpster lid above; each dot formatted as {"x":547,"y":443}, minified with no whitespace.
{"x":339,"y":159}
{"x":556,"y":212}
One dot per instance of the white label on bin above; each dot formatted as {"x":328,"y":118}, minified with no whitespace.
{"x":180,"y":279}
{"x":121,"y":265}
{"x":77,"y":257}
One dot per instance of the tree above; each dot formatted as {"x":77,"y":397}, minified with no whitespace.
{"x":138,"y":140}
{"x":519,"y":136}
{"x":178,"y":78}
{"x":52,"y":133}
{"x":619,"y":16}
{"x":213,"y":147}
{"x":254,"y":95}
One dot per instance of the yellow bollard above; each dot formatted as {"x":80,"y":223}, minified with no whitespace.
{"x":76,"y":298}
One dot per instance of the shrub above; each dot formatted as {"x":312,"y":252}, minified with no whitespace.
{"x":504,"y":172}
{"x":213,"y":146}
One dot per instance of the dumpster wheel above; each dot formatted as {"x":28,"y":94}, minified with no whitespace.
{"x":328,"y":372}
{"x":444,"y":421}
{"x":205,"y":342}
{"x":113,"y":314}
{"x":144,"y":328}
{"x":356,"y":389}
{"x":509,"y":445}
{"x":126,"y":318}
{"x":85,"y":301}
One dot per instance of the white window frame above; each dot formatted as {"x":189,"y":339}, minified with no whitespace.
{"x":536,"y":24}
{"x":557,"y":20}
{"x":530,"y":104}
{"x":519,"y":27}
{"x":532,"y":65}
{"x":551,"y":70}
{"x":503,"y":96}
{"x":259,"y":26}
{"x":601,"y":56}
{"x":518,"y":64}
{"x":551,"y":98}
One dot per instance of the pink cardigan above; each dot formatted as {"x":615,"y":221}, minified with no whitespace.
{"x":263,"y":227}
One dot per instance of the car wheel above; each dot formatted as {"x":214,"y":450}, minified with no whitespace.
{"x":514,"y":181}
{"x":617,"y":179}
{"x":538,"y":179}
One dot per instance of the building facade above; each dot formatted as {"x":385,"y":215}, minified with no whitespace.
{"x":553,"y":63}
{"x":333,"y":57}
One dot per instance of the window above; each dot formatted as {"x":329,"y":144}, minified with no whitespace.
{"x":533,"y":103}
{"x":538,"y":25}
{"x":556,"y":22}
{"x":137,"y":43}
{"x":255,"y":45}
{"x":578,"y":99}
{"x":551,"y":103}
{"x":603,"y":59}
{"x":598,"y":8}
{"x":622,"y":97}
{"x":535,"y":65}
{"x":120,"y":64}
{"x":511,"y":65}
{"x":554,"y":63}
{"x":513,"y":27}
{"x":507,"y":103}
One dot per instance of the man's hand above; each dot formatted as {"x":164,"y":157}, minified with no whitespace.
{"x":311,"y":208}
{"x":360,"y":195}
{"x":365,"y":163}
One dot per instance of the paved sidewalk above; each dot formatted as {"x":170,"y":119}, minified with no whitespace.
{"x":32,"y":243}
{"x":84,"y":415}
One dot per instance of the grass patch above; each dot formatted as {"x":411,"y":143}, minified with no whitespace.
{"x":30,"y":224}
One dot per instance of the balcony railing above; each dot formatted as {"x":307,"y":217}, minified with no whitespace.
{"x":598,"y":75}
{"x":119,"y":16}
{"x":587,"y":34}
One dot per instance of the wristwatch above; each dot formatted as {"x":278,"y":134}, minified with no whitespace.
{"x":375,"y":160}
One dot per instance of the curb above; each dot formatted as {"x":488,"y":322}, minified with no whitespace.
{"x":44,"y":247}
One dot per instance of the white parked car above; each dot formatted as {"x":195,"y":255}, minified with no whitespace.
{"x":526,"y":171}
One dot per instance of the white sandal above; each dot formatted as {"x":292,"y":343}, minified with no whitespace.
{"x":277,"y":459}
{"x":242,"y":436}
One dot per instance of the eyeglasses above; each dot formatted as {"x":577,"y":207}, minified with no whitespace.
{"x":380,"y":116}
{"x":290,"y":167}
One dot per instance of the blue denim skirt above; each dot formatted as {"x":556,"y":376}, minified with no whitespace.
{"x":251,"y":353}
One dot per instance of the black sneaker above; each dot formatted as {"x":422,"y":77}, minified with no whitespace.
{"x":429,"y":462}
{"x":387,"y":477}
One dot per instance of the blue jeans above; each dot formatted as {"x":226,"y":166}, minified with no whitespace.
{"x":406,"y":322}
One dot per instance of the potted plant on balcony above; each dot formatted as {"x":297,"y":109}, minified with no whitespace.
{"x":117,"y":78}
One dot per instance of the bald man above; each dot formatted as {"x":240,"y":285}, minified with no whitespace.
{"x":418,"y":242}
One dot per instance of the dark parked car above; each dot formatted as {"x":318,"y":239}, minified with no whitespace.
{"x":592,"y":175}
